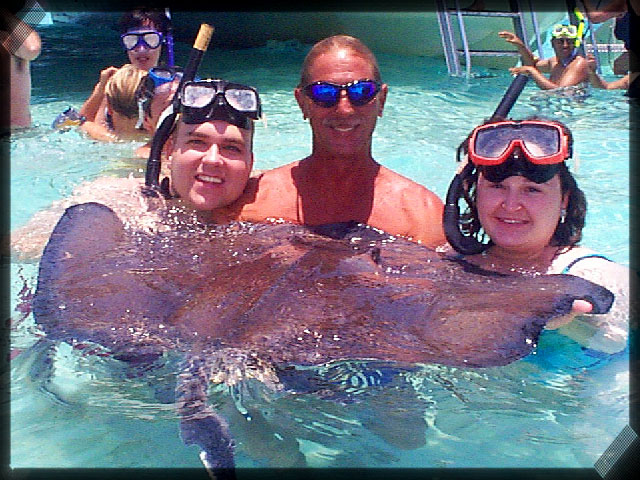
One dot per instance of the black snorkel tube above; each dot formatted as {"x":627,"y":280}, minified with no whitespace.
{"x":467,"y":244}
{"x":152,"y":175}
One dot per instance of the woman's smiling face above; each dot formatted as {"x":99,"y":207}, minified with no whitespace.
{"x":518,"y":214}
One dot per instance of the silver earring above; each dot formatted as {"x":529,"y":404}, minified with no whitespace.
{"x":563,"y":215}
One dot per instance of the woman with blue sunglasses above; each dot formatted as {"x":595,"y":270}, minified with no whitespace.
{"x":117,"y":121}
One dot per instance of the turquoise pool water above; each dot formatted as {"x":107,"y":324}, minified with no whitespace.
{"x":560,"y":407}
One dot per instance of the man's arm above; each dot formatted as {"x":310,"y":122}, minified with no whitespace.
{"x":122,"y":195}
{"x":575,"y":73}
{"x":92,"y":104}
{"x":426,"y":224}
{"x":612,"y":9}
{"x":22,"y":41}
{"x":527,"y":56}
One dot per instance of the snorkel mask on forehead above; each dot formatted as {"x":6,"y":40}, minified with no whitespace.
{"x":570,"y":31}
{"x":205,"y":100}
{"x":534,"y":149}
{"x":198,"y":102}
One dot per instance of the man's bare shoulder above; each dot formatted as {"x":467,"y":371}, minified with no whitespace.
{"x":282,"y":172}
{"x":395,"y":183}
{"x":122,"y":195}
{"x":272,"y":194}
{"x":408,"y":208}
{"x":277,"y":181}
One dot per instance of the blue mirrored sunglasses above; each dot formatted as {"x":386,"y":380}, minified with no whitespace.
{"x":327,"y":94}
{"x":150,"y":39}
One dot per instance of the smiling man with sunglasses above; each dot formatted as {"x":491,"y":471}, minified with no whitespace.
{"x":342,"y":95}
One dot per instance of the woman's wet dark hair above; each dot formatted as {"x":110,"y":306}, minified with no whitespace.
{"x":567,"y":233}
{"x":144,"y":17}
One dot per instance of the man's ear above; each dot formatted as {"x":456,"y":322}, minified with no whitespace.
{"x":382,"y":98}
{"x":168,"y":149}
{"x":302,"y":103}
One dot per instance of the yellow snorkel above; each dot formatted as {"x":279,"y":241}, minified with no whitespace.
{"x":580,"y":34}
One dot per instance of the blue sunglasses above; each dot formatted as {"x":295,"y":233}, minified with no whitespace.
{"x":327,"y":94}
{"x":150,"y":39}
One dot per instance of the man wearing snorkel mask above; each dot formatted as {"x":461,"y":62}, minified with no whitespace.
{"x":153,"y":96}
{"x":526,"y":213}
{"x":341,"y":93}
{"x":210,"y":160}
{"x":566,"y":68}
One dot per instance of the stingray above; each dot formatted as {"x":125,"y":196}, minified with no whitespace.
{"x":250,"y":300}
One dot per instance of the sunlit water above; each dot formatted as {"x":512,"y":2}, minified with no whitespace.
{"x":560,"y":407}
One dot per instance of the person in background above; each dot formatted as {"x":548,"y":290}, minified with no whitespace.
{"x":613,"y":9}
{"x":523,"y":198}
{"x":342,"y":95}
{"x":154,"y":95}
{"x":142,"y":34}
{"x":21,"y":45}
{"x":119,"y":118}
{"x":565,"y":69}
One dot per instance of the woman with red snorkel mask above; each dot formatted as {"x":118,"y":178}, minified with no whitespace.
{"x":524,"y":214}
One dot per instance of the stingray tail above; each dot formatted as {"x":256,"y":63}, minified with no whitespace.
{"x":201,"y":425}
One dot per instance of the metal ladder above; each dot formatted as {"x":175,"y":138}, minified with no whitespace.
{"x":452,"y":52}
{"x":591,"y":45}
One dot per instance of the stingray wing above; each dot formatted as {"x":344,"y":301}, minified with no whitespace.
{"x":91,"y":287}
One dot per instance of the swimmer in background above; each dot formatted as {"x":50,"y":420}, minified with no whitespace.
{"x":21,"y":45}
{"x":566,"y":68}
{"x":613,"y":9}
{"x":142,"y":34}
{"x":119,"y":118}
{"x":154,"y":94}
{"x":523,"y":199}
{"x":210,"y":161}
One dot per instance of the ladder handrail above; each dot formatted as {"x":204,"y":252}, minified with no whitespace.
{"x":463,"y":36}
{"x":451,"y":52}
{"x":536,"y":28}
{"x":446,"y":34}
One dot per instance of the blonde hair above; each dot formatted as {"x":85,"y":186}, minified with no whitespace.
{"x":121,"y":90}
